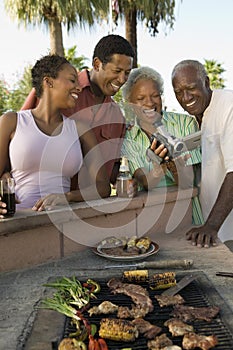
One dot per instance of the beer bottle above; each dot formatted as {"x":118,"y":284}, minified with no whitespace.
{"x":124,"y":179}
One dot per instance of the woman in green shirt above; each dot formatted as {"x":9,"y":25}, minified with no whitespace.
{"x":143,"y":94}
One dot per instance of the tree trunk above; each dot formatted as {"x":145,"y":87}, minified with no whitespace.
{"x":131,"y":31}
{"x":56,"y":39}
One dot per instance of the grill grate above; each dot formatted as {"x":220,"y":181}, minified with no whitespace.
{"x":193,"y":296}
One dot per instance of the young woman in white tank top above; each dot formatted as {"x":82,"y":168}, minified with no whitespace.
{"x":46,"y":150}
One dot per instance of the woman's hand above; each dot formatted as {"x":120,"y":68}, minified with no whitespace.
{"x":160,"y":150}
{"x":50,"y":201}
{"x":6,"y":175}
{"x":3,"y":210}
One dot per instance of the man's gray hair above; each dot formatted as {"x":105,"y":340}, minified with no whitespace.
{"x":199,"y":67}
{"x":146,"y":73}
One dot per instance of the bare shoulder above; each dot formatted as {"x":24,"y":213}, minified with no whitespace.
{"x":8,"y":119}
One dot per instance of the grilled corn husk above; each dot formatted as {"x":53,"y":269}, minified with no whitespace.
{"x":162,"y":280}
{"x":117,"y":329}
{"x":135,"y":276}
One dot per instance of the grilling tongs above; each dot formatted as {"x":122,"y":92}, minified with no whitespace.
{"x":180,"y":285}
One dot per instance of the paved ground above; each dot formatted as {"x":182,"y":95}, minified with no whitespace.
{"x":229,"y":244}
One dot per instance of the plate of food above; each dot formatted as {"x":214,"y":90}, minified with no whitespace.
{"x":126,"y":248}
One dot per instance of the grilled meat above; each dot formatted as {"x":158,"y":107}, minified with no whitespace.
{"x":106,"y":307}
{"x":190,"y":313}
{"x":177,"y":327}
{"x":166,"y":300}
{"x":136,"y":311}
{"x":118,"y":330}
{"x":137,"y":293}
{"x":71,"y":344}
{"x":193,"y":341}
{"x":116,"y":286}
{"x":144,"y":327}
{"x":160,"y":342}
{"x":172,"y":347}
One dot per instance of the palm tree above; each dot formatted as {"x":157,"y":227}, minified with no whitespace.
{"x":54,"y":14}
{"x":4,"y":93}
{"x":77,"y":61}
{"x":214,"y":71}
{"x":20,"y":90}
{"x":14,"y":99}
{"x":151,"y":11}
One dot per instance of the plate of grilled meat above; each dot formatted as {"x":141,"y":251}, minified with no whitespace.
{"x":124,"y":248}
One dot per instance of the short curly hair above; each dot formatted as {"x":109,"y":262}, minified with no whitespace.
{"x":145,"y":73}
{"x":110,"y":45}
{"x":198,"y":66}
{"x":47,"y":66}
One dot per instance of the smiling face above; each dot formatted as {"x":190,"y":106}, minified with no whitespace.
{"x":109,"y":77}
{"x":192,"y":92}
{"x":66,"y":86}
{"x":145,"y":93}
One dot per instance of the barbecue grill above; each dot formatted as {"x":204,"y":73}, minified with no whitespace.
{"x":199,"y":293}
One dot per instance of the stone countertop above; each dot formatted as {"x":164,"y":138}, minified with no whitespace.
{"x":22,"y":290}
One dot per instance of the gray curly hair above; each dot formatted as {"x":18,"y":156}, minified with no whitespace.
{"x":142,"y":73}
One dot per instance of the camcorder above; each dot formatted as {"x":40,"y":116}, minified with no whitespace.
{"x":175,"y":146}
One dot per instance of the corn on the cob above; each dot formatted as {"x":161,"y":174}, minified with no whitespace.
{"x":143,"y":244}
{"x":162,"y":280}
{"x":117,"y":329}
{"x":131,"y":242}
{"x":135,"y":276}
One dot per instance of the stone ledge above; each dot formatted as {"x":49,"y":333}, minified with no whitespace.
{"x":31,"y":238}
{"x":28,"y":219}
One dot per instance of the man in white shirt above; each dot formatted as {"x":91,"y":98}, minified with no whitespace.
{"x":214,"y":113}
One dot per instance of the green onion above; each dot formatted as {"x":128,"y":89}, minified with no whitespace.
{"x":70,"y":292}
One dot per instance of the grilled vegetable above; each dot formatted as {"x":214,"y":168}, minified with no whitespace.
{"x":143,"y":244}
{"x":70,"y":291}
{"x":162,"y":280}
{"x":57,"y":303}
{"x":97,"y":344}
{"x":102,"y":344}
{"x":117,"y":329}
{"x":71,"y":299}
{"x":131,"y":242}
{"x":92,"y":345}
{"x":135,"y":276}
{"x":93,"y":286}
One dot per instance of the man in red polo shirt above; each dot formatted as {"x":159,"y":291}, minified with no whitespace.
{"x":111,"y":64}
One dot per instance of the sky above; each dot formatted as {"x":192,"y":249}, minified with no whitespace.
{"x":202,"y":30}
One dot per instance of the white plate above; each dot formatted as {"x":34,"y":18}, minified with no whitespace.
{"x":153,"y":249}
